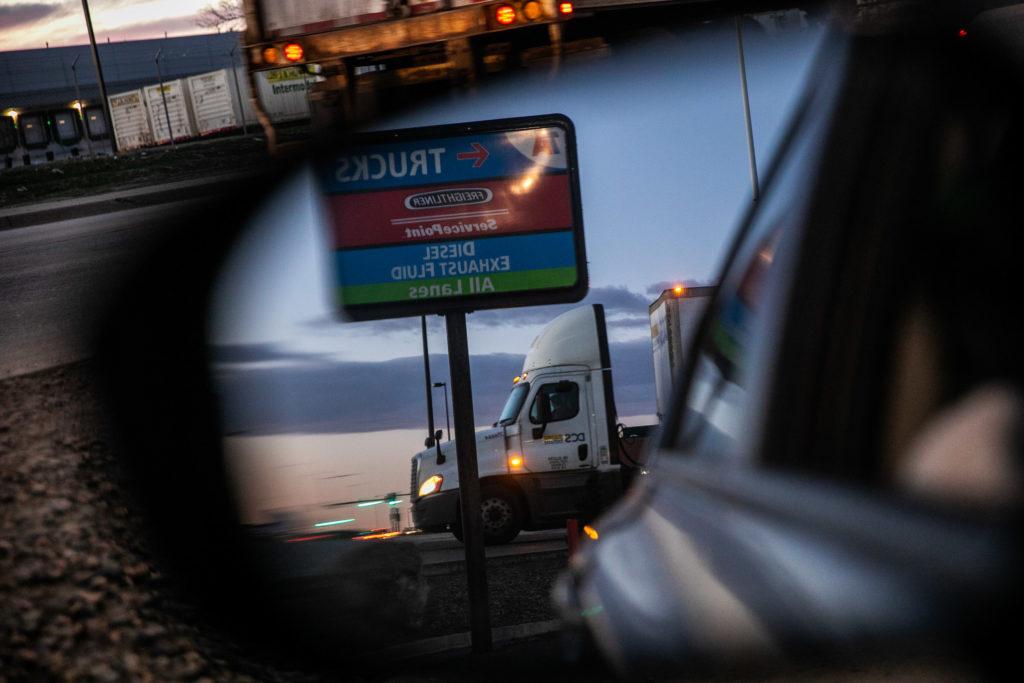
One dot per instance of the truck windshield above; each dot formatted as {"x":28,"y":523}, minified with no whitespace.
{"x":514,"y":403}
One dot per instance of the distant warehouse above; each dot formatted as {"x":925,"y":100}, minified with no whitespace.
{"x":50,"y":102}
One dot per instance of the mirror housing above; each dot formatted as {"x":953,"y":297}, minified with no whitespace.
{"x":436,"y":439}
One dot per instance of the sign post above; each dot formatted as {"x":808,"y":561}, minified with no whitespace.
{"x":451,"y":219}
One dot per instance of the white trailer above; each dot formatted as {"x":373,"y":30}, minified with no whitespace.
{"x":175,"y":93}
{"x":283,"y":93}
{"x":215,"y":102}
{"x":674,"y":319}
{"x":130,"y":120}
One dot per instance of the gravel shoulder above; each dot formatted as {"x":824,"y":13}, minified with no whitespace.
{"x":82,"y":595}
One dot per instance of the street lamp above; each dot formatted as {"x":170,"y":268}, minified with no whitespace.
{"x":447,"y":422}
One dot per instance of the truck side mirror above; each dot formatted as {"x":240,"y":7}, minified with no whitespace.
{"x":428,"y":442}
{"x":437,"y":441}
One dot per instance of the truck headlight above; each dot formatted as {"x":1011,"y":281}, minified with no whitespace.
{"x":431,"y":485}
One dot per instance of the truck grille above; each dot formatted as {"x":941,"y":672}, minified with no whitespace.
{"x":412,"y":484}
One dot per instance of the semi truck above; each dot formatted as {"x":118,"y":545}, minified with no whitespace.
{"x":557,"y":450}
{"x":356,"y":52}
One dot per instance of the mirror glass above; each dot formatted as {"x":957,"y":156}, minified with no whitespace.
{"x":323,"y":417}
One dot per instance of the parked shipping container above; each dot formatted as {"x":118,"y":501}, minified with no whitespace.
{"x":176,"y":96}
{"x":283,"y":93}
{"x":214,"y":102}
{"x":130,"y":120}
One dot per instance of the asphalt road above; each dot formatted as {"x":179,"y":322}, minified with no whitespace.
{"x":54,"y":279}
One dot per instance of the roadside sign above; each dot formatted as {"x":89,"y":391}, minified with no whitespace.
{"x":457,"y":218}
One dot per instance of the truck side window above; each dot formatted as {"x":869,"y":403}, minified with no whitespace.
{"x":563,"y":399}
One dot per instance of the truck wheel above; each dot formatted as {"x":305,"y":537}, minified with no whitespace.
{"x":502,"y":515}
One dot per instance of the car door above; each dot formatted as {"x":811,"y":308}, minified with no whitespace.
{"x":770,"y":525}
{"x":555,"y":427}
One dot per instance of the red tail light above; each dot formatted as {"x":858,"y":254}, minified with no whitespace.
{"x":565,"y":8}
{"x":293,"y":52}
{"x":505,"y":14}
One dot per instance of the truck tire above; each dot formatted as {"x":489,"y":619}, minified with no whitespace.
{"x":502,"y":515}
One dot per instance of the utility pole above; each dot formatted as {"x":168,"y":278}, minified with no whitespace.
{"x":99,"y":75}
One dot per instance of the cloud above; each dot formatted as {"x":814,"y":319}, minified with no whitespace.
{"x":623,"y":307}
{"x":345,"y":396}
{"x":257,"y":353}
{"x":21,"y":13}
{"x":172,"y":26}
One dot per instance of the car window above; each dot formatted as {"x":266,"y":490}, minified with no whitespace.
{"x":562,"y":398}
{"x":740,"y":334}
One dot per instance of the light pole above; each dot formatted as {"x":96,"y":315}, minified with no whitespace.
{"x":447,"y":422}
{"x":755,"y":185}
{"x":163,"y":95}
{"x":99,"y":76}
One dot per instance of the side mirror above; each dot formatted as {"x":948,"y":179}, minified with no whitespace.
{"x":429,"y":442}
{"x":436,"y":439}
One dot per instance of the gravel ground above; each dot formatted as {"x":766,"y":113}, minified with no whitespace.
{"x":519,"y":591}
{"x":81,"y":595}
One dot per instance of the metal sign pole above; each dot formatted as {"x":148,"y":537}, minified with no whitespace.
{"x":746,"y":112}
{"x":469,"y":481}
{"x":163,"y":96}
{"x":426,"y":380}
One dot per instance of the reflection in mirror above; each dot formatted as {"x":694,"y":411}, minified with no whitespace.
{"x":326,"y":433}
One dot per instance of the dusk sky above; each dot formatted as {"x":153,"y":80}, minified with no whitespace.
{"x":664,"y":181}
{"x":26,"y":25}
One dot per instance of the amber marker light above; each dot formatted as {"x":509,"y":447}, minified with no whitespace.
{"x":293,"y":52}
{"x":270,"y":55}
{"x":678,"y":290}
{"x":515,"y":461}
{"x":505,"y":14}
{"x":532,"y":10}
{"x":591,"y":532}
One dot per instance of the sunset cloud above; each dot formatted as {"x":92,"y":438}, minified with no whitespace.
{"x":27,"y":25}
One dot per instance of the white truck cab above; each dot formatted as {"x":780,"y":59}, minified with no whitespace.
{"x":555,"y":452}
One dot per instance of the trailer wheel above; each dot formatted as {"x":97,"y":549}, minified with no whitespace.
{"x":502,"y":515}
